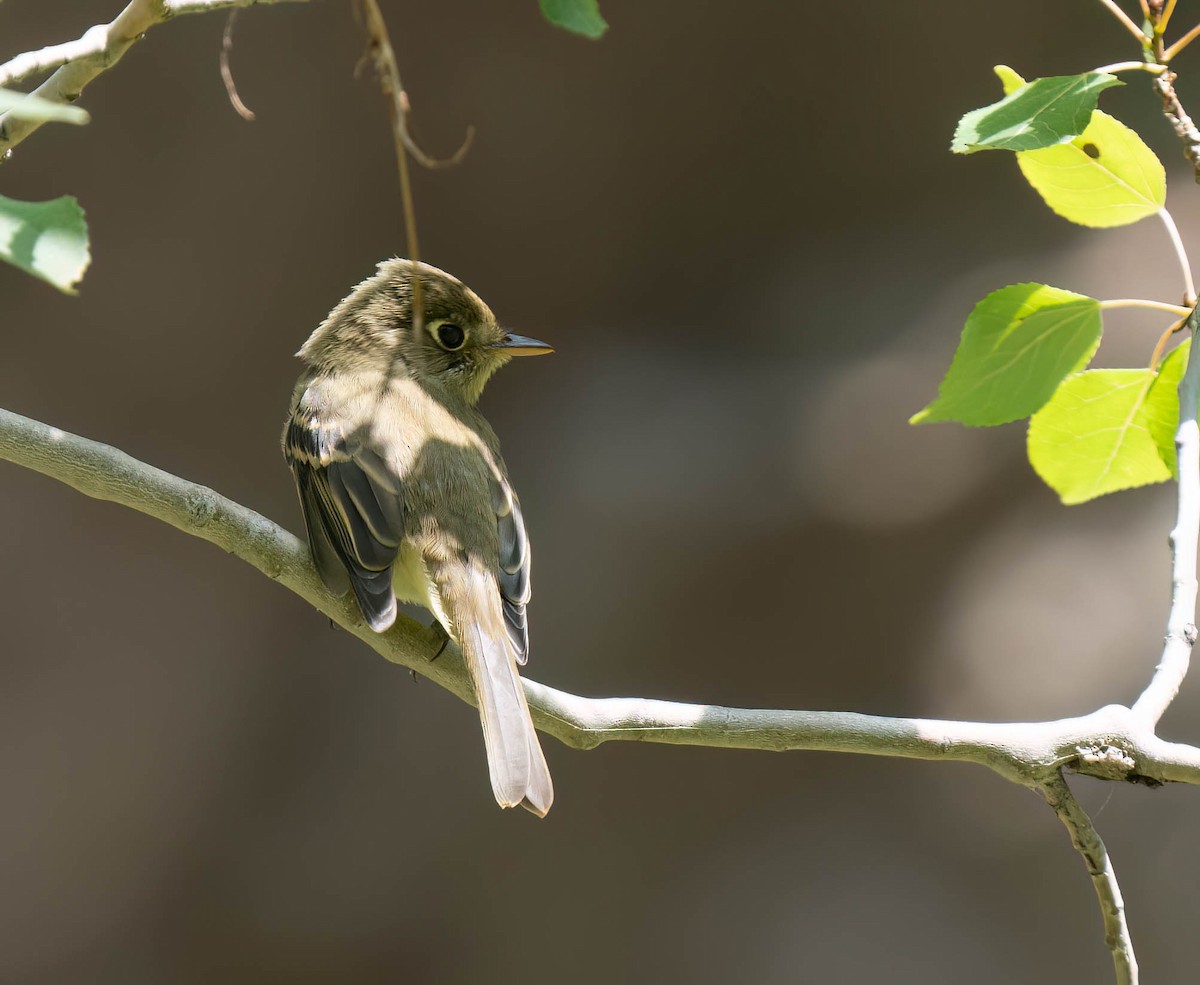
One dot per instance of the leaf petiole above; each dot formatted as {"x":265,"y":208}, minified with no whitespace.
{"x":1164,"y":339}
{"x":1130,"y":67}
{"x":1182,"y":43}
{"x":1124,"y":18}
{"x":1185,"y":267}
{"x":1164,"y":18}
{"x":1174,"y":309}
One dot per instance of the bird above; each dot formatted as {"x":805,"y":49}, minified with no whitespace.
{"x":405,"y":495}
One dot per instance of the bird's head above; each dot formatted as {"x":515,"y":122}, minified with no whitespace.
{"x":454,"y":348}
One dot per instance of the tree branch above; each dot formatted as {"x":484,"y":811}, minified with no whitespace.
{"x":1181,"y":622}
{"x":77,"y":62}
{"x":1104,"y":880}
{"x":1111,"y":743}
{"x":1185,"y":129}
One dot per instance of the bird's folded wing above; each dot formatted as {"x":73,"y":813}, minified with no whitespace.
{"x":354,"y":513}
{"x":513,"y":573}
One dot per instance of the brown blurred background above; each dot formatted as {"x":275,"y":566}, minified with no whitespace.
{"x":742,"y":228}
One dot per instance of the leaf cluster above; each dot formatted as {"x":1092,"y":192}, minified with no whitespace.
{"x":1025,"y":348}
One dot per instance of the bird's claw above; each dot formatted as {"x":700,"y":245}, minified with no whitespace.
{"x":438,"y":628}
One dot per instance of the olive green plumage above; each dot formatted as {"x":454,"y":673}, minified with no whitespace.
{"x":405,"y":495}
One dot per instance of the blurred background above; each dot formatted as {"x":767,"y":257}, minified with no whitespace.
{"x":741,"y":227}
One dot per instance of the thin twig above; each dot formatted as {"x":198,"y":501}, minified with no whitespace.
{"x":1181,"y":621}
{"x":77,"y":62}
{"x":235,"y":100}
{"x":1182,"y":43}
{"x":388,"y":70}
{"x":1185,"y":129}
{"x":1104,"y":880}
{"x":1125,"y":19}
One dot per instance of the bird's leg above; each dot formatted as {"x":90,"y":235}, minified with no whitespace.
{"x":438,"y":628}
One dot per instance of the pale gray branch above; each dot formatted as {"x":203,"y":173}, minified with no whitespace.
{"x":77,"y":62}
{"x":1114,"y":743}
{"x":1111,"y":743}
{"x":1104,"y":880}
{"x":1181,"y":621}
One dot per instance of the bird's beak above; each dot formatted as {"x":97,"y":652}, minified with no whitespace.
{"x":519,"y":345}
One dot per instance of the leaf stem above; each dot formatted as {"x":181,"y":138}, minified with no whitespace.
{"x":1165,"y":17}
{"x":1182,"y":43}
{"x":1161,"y":344}
{"x":1124,"y":18}
{"x":1189,"y":288}
{"x":1131,"y":67}
{"x":1174,"y":309}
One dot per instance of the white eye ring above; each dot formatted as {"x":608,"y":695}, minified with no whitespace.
{"x":449,"y":335}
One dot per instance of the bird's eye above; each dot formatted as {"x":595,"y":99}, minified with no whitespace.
{"x":450,"y":336}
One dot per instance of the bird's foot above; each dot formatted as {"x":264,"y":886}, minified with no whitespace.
{"x":438,"y":628}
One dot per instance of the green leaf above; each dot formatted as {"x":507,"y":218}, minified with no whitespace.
{"x":27,"y":107}
{"x":580,"y":16}
{"x":1093,"y":437}
{"x":1017,"y":346}
{"x":46,"y":239}
{"x":1041,"y":114}
{"x":1106,"y":176}
{"x":1161,"y":411}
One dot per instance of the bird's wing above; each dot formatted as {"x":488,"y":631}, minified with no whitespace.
{"x":353,"y":510}
{"x":513,"y":573}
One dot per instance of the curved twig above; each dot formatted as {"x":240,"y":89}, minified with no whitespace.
{"x":235,"y":100}
{"x":387,"y":68}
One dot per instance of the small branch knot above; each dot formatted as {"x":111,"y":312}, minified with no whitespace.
{"x":200,"y":508}
{"x":1105,"y":762}
{"x":1189,"y":634}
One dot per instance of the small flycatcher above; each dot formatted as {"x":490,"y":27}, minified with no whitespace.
{"x":405,"y":495}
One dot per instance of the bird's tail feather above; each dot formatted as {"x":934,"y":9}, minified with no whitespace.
{"x":515,"y":760}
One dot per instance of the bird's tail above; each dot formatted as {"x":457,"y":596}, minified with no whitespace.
{"x":515,"y":760}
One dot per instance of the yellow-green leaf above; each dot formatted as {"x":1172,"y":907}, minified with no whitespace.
{"x":1008,"y":79}
{"x":1093,"y":437}
{"x":1106,"y":176}
{"x":1162,"y":404}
